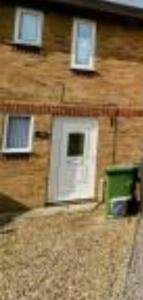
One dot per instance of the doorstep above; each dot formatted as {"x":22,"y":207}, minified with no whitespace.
{"x":54,"y":210}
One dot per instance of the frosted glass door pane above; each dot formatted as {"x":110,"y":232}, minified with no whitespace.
{"x":75,"y":144}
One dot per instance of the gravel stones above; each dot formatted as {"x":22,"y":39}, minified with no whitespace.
{"x":79,"y":256}
{"x":134,"y":286}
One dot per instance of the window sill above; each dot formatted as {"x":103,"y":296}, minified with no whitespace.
{"x":29,"y":47}
{"x":16,"y":152}
{"x":83,"y":69}
{"x":28,"y":44}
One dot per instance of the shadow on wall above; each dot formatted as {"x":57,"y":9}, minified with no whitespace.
{"x":10,"y":209}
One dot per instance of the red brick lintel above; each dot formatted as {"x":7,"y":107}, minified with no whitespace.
{"x":69,"y":110}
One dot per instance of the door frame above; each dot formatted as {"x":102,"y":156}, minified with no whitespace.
{"x":55,"y":151}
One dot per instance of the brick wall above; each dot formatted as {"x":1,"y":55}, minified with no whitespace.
{"x":46,"y":77}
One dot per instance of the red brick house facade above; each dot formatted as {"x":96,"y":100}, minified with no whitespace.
{"x":71,"y":97}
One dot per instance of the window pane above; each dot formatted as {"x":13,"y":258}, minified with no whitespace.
{"x":83,"y":43}
{"x":28,"y":30}
{"x":75,"y":144}
{"x":18,"y":132}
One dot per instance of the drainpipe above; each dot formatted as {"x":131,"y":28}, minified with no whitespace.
{"x":114,"y":124}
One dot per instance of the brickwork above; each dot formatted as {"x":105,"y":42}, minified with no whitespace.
{"x":44,"y":77}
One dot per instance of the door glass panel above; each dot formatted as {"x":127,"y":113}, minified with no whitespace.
{"x":75,"y":144}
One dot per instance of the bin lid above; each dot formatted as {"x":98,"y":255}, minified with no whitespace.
{"x":121,"y":168}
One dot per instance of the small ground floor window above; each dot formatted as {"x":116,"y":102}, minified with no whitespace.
{"x":18,"y":132}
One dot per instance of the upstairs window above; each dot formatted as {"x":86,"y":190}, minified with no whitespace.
{"x":28,"y":27}
{"x":18,"y":132}
{"x":83,"y":45}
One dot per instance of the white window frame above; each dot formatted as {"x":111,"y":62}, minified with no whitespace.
{"x":30,"y":141}
{"x":18,"y":13}
{"x":91,"y":65}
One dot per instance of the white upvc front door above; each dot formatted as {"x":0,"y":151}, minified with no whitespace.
{"x":73,"y":159}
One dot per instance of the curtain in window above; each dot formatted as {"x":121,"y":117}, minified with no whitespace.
{"x":83,"y":43}
{"x":18,"y":132}
{"x":28,"y":27}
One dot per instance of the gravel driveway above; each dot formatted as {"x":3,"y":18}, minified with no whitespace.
{"x":80,"y":256}
{"x":134,"y":286}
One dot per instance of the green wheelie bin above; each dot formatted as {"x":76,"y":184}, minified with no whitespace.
{"x":119,"y":191}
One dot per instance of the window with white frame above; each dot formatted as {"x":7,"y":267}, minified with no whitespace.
{"x":18,"y":133}
{"x":28,"y":27}
{"x":83,"y":44}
